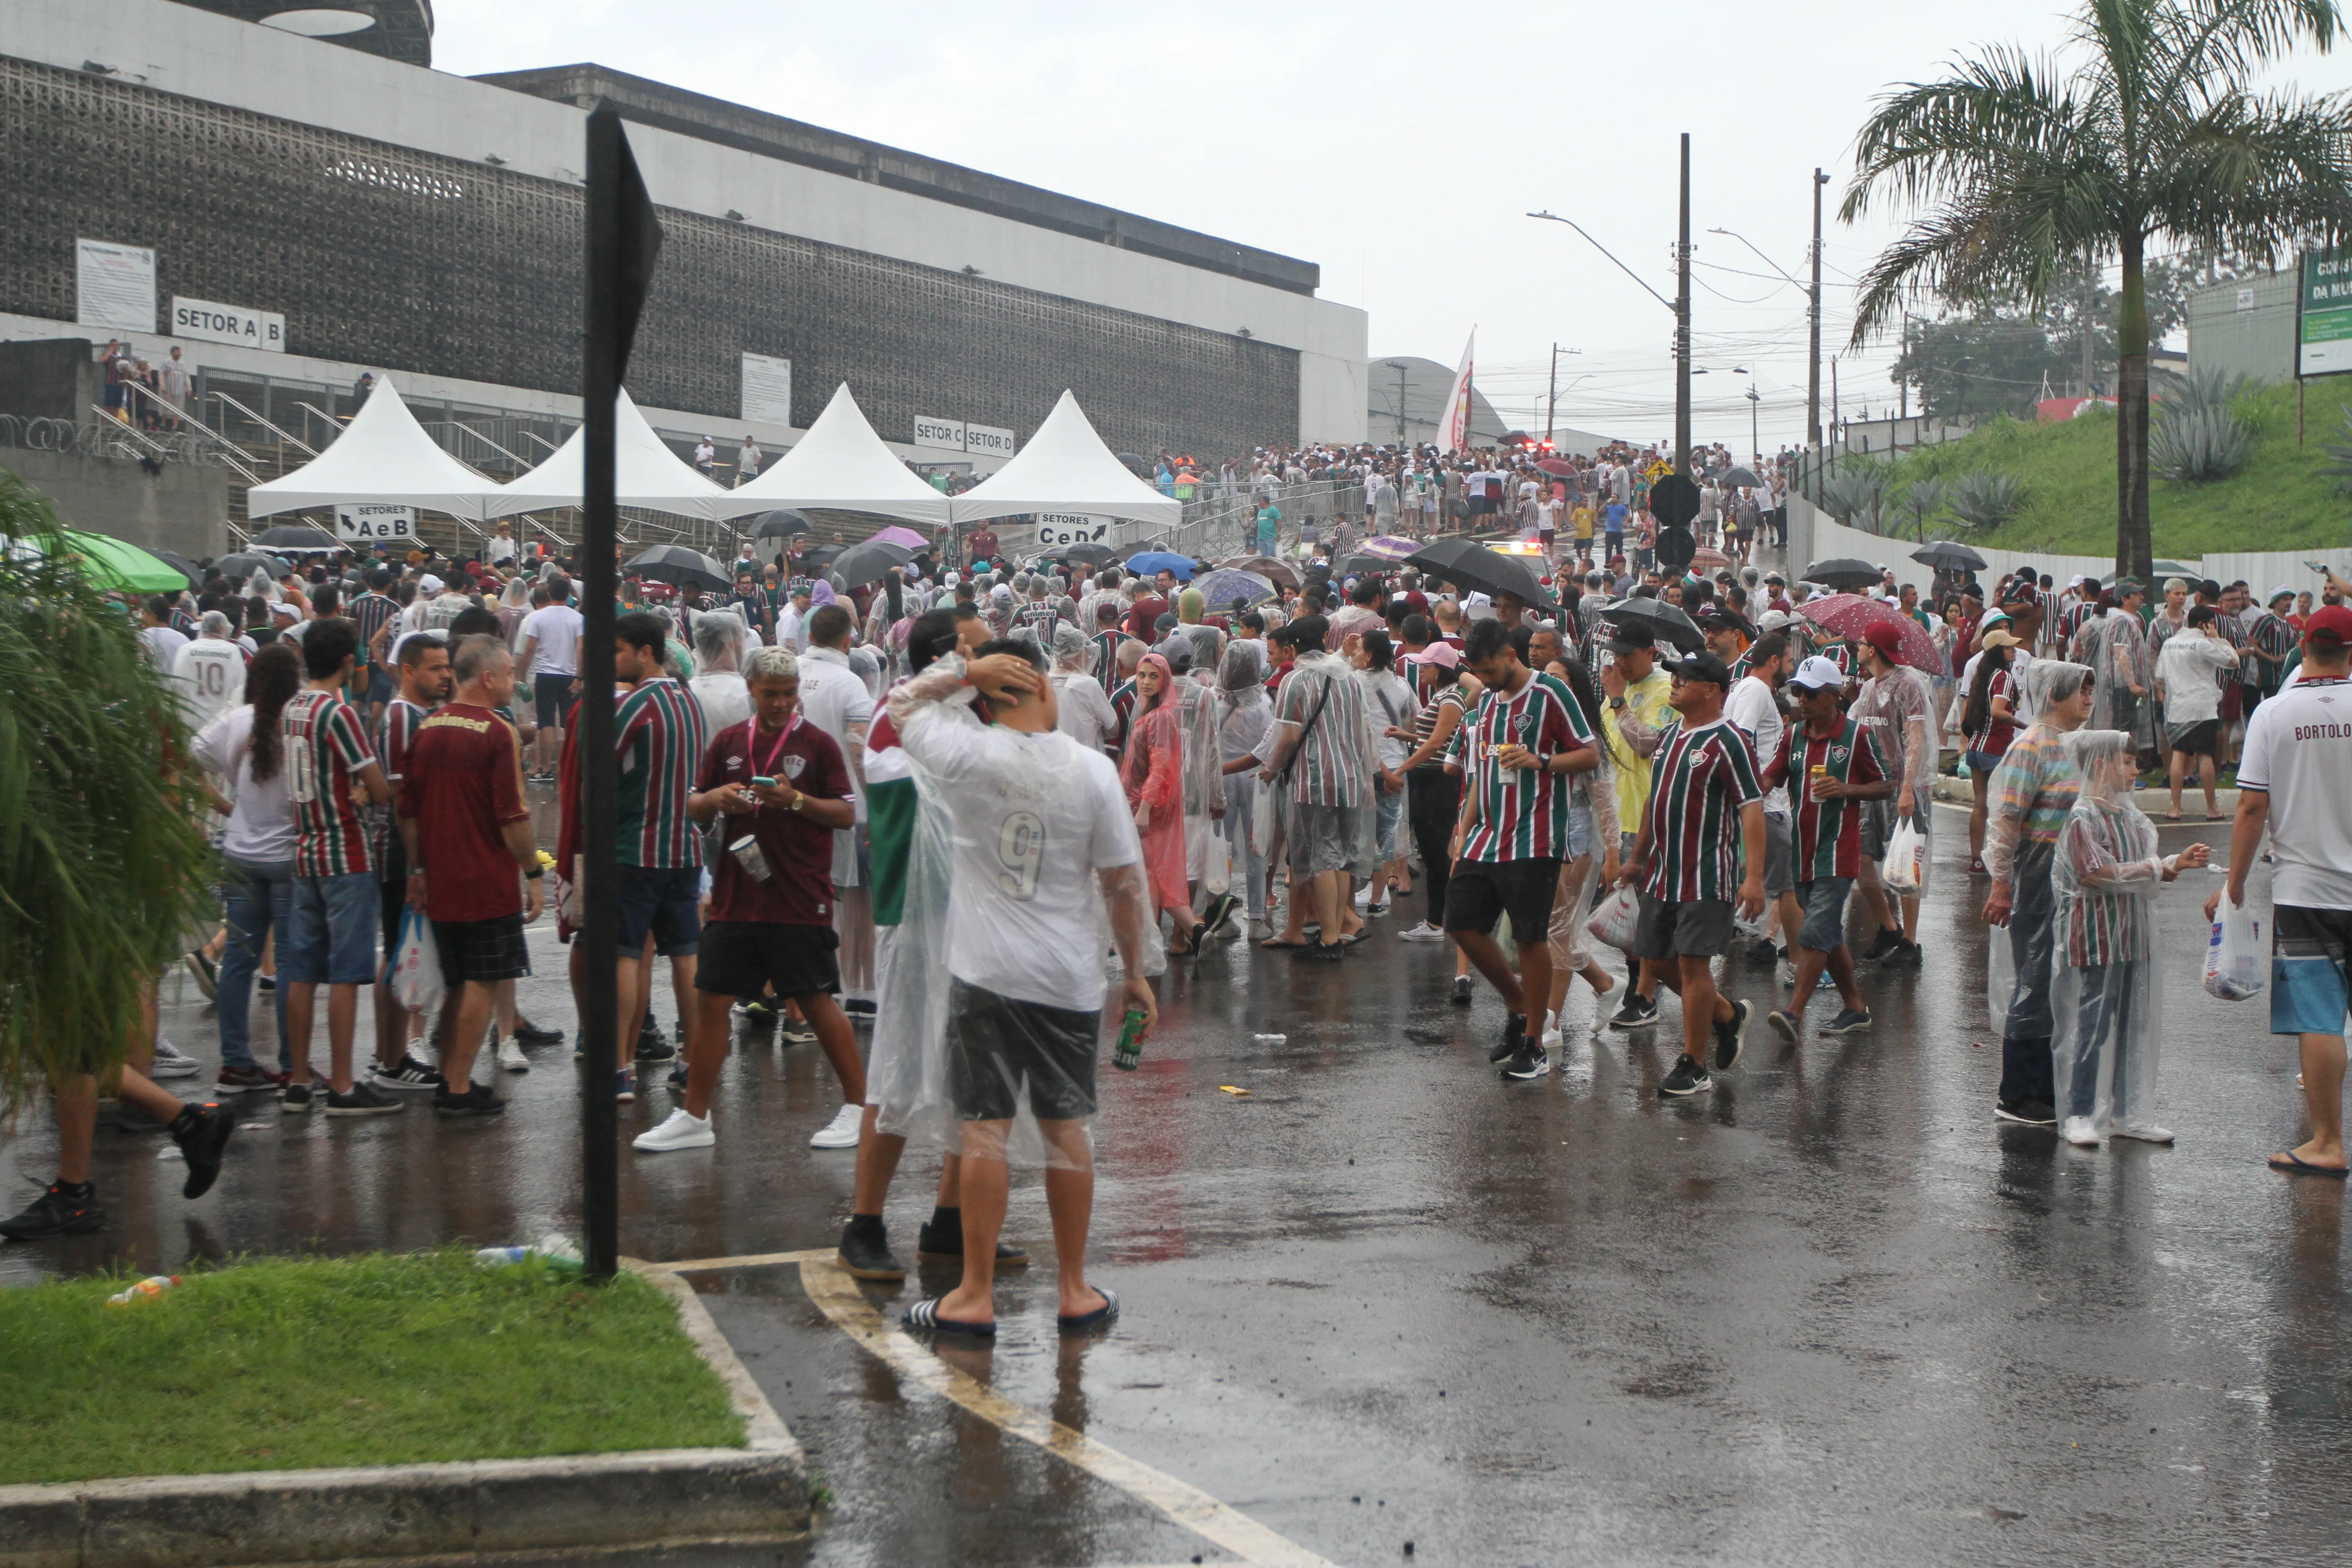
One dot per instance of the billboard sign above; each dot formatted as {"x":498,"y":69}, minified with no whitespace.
{"x":216,"y":324}
{"x":987,"y":441}
{"x":114,"y":286}
{"x":2324,"y":323}
{"x":767,"y":394}
{"x":945,"y":434}
{"x":1056,"y":529}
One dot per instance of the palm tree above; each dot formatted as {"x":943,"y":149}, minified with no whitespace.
{"x":2026,"y":175}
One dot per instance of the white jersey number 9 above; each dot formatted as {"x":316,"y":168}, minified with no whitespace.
{"x":1021,"y":844}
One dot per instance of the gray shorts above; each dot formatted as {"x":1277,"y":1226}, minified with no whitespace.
{"x":1823,"y":900}
{"x":1779,"y":872}
{"x":1698,"y":928}
{"x":1322,"y":837}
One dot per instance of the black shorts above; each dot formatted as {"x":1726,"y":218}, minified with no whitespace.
{"x":665,"y":902}
{"x":393,"y":892}
{"x":1482,"y":891}
{"x":1695,"y":928}
{"x":482,"y":951}
{"x":2202,"y":738}
{"x":551,"y":694}
{"x":743,"y":958}
{"x":998,"y":1047}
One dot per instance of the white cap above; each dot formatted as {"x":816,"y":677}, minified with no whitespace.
{"x":1818,"y":674}
{"x":428,"y":583}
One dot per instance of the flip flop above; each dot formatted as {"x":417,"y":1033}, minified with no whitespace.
{"x":924,"y":1314}
{"x":1097,"y":1318}
{"x":1363,"y":935}
{"x":1277,"y":945}
{"x":2291,"y":1166}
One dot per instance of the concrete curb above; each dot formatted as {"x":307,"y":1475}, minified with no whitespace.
{"x":757,"y":1493}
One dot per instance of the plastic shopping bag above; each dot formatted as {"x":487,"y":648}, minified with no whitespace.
{"x":1615,"y":921}
{"x":416,"y":963}
{"x":2234,"y":958}
{"x":1906,"y":865}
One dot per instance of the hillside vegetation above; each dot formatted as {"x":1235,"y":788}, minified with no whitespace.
{"x":2279,"y":500}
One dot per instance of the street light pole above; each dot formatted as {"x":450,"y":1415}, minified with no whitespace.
{"x":1754,"y":441}
{"x":1683,"y":325}
{"x":1551,"y":401}
{"x":1813,"y":371}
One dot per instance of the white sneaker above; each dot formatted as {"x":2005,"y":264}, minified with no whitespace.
{"x":841,"y":1132}
{"x":170,"y":1062}
{"x":1786,"y":974}
{"x":2079,"y":1132}
{"x":2145,"y":1131}
{"x":680,"y":1131}
{"x":1424,"y":931}
{"x":1604,"y":1003}
{"x":1550,"y":1038}
{"x":1363,"y":895}
{"x":510,"y":1056}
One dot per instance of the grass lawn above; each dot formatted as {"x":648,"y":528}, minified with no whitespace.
{"x":2279,"y":500}
{"x":288,"y":1365}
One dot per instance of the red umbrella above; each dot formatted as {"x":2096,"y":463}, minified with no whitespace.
{"x":1558,"y":468}
{"x":1850,"y":614}
{"x":1706,"y":558}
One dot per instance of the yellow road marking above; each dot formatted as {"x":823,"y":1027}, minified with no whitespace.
{"x":744,"y":1260}
{"x":837,"y":1294}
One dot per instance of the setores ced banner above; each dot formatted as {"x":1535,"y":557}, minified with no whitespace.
{"x":2324,"y":324}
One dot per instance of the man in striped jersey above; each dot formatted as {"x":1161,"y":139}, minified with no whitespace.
{"x":659,"y":731}
{"x":1686,"y":864}
{"x":1831,"y":765}
{"x":425,"y":685}
{"x":330,"y":937}
{"x":370,"y":614}
{"x":1520,"y":745}
{"x":1320,"y":747}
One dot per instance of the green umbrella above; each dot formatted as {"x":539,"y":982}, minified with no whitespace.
{"x":115,"y":565}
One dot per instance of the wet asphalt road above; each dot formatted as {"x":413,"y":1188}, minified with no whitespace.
{"x":1832,"y":1313}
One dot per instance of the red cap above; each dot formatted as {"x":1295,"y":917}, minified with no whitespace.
{"x":2329,"y":624}
{"x":1885,"y":637}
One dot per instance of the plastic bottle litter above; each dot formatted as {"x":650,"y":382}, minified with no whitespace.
{"x":147,"y":1289}
{"x":1269,"y":1039}
{"x":555,"y":1247}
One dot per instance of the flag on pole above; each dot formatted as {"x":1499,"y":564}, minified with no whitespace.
{"x":1453,"y":423}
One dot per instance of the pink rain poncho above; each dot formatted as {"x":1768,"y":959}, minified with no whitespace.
{"x":1153,"y":769}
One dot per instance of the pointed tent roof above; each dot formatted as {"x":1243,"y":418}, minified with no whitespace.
{"x":645,"y":473}
{"x":383,"y":456}
{"x":841,"y":463}
{"x":1066,"y":467}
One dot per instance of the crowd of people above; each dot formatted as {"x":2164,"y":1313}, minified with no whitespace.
{"x":922,"y":807}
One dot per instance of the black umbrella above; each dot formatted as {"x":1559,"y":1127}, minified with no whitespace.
{"x":781,"y":525}
{"x":676,"y":565}
{"x":866,"y":563}
{"x":182,"y":564}
{"x":237,"y":568}
{"x":298,"y":536}
{"x":1945,"y":555}
{"x":1365,"y":567}
{"x":1092,"y":555}
{"x":1844,"y":572}
{"x":1663,"y":619}
{"x":1474,"y":567}
{"x":816,"y":559}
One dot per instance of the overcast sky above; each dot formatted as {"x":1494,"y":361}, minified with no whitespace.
{"x":1397,"y":145}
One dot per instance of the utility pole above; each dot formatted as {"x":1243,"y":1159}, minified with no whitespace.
{"x":1398,"y":366}
{"x":1683,"y":325}
{"x":1813,"y":313}
{"x":1551,"y":405}
{"x":1755,"y":442}
{"x":1833,"y":411}
{"x":2090,"y":298}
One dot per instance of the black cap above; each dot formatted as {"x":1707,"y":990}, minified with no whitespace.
{"x":1633,"y":635}
{"x":1702,"y":667}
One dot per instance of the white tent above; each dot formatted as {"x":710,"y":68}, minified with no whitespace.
{"x":645,"y":473}
{"x":1066,"y":468}
{"x":383,"y":456}
{"x":841,"y":463}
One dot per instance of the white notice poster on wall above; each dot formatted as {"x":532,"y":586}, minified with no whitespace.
{"x":264,"y":330}
{"x":767,"y":390}
{"x":114,"y":286}
{"x":944,"y":435}
{"x":365,"y":523}
{"x":987,"y":441}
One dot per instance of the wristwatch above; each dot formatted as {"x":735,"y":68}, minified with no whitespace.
{"x":1617,"y":704}
{"x":799,"y":798}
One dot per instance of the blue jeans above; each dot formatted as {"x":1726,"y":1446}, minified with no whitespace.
{"x":260,"y":895}
{"x":1384,"y":822}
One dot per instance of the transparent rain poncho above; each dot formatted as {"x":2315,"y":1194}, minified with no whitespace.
{"x":2106,"y":873}
{"x":2030,"y":794}
{"x":1023,"y":871}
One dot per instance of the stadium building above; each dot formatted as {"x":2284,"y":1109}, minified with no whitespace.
{"x":291,"y":211}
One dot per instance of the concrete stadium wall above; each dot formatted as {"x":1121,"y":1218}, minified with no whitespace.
{"x":173,"y":506}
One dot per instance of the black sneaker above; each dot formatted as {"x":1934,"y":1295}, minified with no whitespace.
{"x":1219,"y":917}
{"x":134,"y":1119}
{"x":797,"y":1031}
{"x":407,"y":1076}
{"x":858,"y":1007}
{"x":1514,"y":1041}
{"x":477,"y":1100}
{"x":1731,"y":1038}
{"x":363,"y":1099}
{"x":295,"y":1099}
{"x":2027,"y":1112}
{"x":1527,"y":1063}
{"x":865,"y":1255}
{"x":531,"y":1034}
{"x":202,"y":1132}
{"x":1688,"y":1078}
{"x":1761,"y":953}
{"x":207,"y":972}
{"x":678,"y":1077}
{"x":55,"y":1212}
{"x":1904,"y":954}
{"x":937,"y":1243}
{"x":253,"y":1078}
{"x":1637,"y":1012}
{"x":1849,"y":1021}
{"x":653,"y":1046}
{"x":1462,"y":990}
{"x":1784,"y":1024}
{"x":758,"y":1009}
{"x":1885,"y":941}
